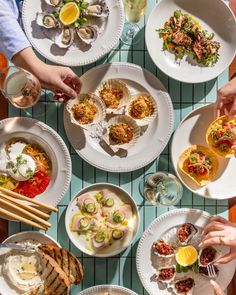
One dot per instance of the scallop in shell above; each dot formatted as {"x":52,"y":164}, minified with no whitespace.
{"x":53,"y":2}
{"x":183,"y":286}
{"x":97,"y":8}
{"x":47,"y":20}
{"x":162,"y":249}
{"x":115,"y":94}
{"x":208,"y":255}
{"x":122,"y":132}
{"x":185,"y":233}
{"x":87,"y":34}
{"x":142,"y":108}
{"x":65,"y":38}
{"x":85,"y":110}
{"x":166,"y":274}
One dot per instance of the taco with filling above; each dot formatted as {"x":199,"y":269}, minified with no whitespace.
{"x":199,"y":163}
{"x":221,"y":136}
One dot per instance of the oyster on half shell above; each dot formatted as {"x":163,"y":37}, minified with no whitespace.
{"x":183,"y":286}
{"x":208,"y":256}
{"x":53,"y":2}
{"x":97,"y":8}
{"x":65,"y":38}
{"x":185,"y":233}
{"x":166,"y":274}
{"x":47,"y":20}
{"x":87,"y":34}
{"x":162,"y":249}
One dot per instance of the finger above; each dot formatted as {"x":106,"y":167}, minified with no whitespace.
{"x":219,"y":219}
{"x":67,"y":90}
{"x":228,"y":89}
{"x":213,"y":226}
{"x":214,"y":234}
{"x":217,"y":288}
{"x":232,"y":111}
{"x":211,"y":242}
{"x":226,"y":258}
{"x":77,"y":84}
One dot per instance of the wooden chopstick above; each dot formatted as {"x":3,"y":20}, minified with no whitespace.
{"x":27,"y":207}
{"x":21,"y":197}
{"x":28,"y":214}
{"x":21,"y":219}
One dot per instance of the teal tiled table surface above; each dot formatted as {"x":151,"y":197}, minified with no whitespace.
{"x":121,"y":269}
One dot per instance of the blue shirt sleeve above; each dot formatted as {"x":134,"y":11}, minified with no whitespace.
{"x":12,"y":37}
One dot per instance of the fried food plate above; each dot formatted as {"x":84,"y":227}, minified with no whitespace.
{"x":204,"y":12}
{"x":149,"y":145}
{"x":163,"y":226}
{"x":192,"y":130}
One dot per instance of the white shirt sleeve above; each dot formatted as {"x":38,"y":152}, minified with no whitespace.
{"x":12,"y":37}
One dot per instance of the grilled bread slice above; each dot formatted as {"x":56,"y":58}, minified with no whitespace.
{"x":38,"y":290}
{"x":67,"y":261}
{"x":56,"y":281}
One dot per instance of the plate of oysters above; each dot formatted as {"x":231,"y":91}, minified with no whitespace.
{"x":73,"y":33}
{"x":122,"y":120}
{"x":170,"y":261}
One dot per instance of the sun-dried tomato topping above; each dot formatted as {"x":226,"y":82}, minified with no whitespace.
{"x":184,"y":232}
{"x":163,"y":248}
{"x":183,"y":287}
{"x":203,"y":270}
{"x":207,"y":255}
{"x":166,"y":274}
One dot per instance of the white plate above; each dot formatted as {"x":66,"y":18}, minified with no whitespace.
{"x":73,"y":56}
{"x":28,"y":235}
{"x":192,"y":130}
{"x":101,"y":289}
{"x":150,"y":145}
{"x":37,"y":132}
{"x":207,"y":13}
{"x":80,"y":241}
{"x":155,"y":231}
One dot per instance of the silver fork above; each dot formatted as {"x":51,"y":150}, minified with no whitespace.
{"x":211,"y":271}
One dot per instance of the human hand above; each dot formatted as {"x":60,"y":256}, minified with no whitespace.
{"x":226,"y":100}
{"x":217,"y":288}
{"x":220,"y":232}
{"x":61,"y":80}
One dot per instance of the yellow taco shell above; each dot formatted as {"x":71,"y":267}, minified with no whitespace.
{"x":199,"y":180}
{"x":209,"y":140}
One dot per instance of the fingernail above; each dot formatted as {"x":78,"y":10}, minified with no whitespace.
{"x":200,"y":245}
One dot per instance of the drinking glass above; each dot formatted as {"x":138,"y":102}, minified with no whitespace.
{"x":21,"y":88}
{"x":134,"y":11}
{"x":161,"y":188}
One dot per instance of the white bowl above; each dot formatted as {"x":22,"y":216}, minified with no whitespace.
{"x":80,"y":241}
{"x":98,"y":290}
{"x":214,"y":16}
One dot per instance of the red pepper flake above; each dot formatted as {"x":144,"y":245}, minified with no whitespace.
{"x":207,"y":255}
{"x":34,"y":186}
{"x":184,"y":286}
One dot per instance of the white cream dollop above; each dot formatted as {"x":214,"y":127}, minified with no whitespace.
{"x":21,"y":167}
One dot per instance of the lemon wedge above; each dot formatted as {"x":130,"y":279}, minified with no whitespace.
{"x":186,"y":256}
{"x":69,"y":13}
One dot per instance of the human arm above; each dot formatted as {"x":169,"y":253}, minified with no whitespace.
{"x":226,"y":100}
{"x":221,"y":232}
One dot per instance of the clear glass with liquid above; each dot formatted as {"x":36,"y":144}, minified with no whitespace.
{"x":20,"y":87}
{"x":134,"y":11}
{"x":161,"y":188}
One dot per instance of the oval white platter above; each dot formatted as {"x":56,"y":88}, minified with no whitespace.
{"x":145,"y":261}
{"x":28,"y":235}
{"x":102,"y":289}
{"x":74,"y":56}
{"x":81,"y":242}
{"x":43,"y":135}
{"x":150,"y":144}
{"x":205,"y":12}
{"x":192,"y":130}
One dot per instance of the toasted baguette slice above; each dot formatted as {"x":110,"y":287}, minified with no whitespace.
{"x":56,"y":281}
{"x":67,"y":261}
{"x":39,"y":290}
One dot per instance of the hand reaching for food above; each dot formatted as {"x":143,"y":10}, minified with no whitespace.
{"x":217,"y":288}
{"x":221,"y":232}
{"x":226,"y":100}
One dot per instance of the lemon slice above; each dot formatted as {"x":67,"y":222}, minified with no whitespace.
{"x":186,"y":256}
{"x":69,"y":13}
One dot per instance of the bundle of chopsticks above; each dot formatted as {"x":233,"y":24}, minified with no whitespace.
{"x":14,"y":207}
